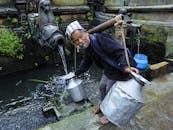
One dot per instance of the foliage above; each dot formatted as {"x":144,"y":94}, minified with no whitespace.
{"x":10,"y":44}
{"x":58,"y":19}
{"x":11,"y":21}
{"x":27,"y":35}
{"x":89,"y":16}
{"x":14,"y":20}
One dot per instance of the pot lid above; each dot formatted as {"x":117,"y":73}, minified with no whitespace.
{"x":74,"y":83}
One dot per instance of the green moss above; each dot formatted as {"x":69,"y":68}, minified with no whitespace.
{"x":140,"y":18}
{"x":14,"y":20}
{"x":58,"y":19}
{"x":5,"y":2}
{"x":69,"y":2}
{"x":46,"y":58}
{"x":83,"y":121}
{"x":10,"y":44}
{"x":89,"y":16}
{"x":154,"y":34}
{"x":154,"y":39}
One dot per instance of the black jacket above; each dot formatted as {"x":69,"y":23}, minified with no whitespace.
{"x":108,"y":54}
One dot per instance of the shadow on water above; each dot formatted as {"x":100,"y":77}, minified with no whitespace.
{"x":24,"y":95}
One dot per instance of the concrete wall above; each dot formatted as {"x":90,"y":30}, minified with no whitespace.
{"x":137,"y":2}
{"x":153,"y":15}
{"x":69,"y":2}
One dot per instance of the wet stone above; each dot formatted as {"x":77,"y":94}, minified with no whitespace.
{"x":157,"y":112}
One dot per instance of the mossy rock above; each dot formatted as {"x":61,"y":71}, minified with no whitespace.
{"x":69,"y":2}
{"x":5,"y":2}
{"x":159,"y":34}
{"x":114,"y":3}
{"x":83,"y":121}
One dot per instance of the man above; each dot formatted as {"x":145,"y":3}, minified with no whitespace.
{"x":106,"y":52}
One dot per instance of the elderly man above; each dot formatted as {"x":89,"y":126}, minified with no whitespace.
{"x":107,"y":53}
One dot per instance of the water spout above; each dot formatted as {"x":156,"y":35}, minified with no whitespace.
{"x":135,"y":25}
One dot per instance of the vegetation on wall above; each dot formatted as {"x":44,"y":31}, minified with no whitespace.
{"x":89,"y":16}
{"x":4,"y":2}
{"x":10,"y":44}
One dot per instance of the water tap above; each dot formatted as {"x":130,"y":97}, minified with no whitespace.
{"x":126,"y":17}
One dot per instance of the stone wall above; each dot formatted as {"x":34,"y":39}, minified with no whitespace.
{"x":5,"y":2}
{"x":137,"y":2}
{"x":155,"y":16}
{"x":69,"y":2}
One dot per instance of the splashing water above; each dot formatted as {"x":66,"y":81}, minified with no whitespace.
{"x":61,"y":52}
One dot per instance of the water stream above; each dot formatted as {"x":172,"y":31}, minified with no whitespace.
{"x":22,"y":96}
{"x":138,"y":40}
{"x":61,"y":52}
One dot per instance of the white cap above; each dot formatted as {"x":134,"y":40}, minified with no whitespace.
{"x":72,"y":27}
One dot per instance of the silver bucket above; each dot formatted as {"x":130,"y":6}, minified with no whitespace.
{"x":75,"y":89}
{"x":123,"y":101}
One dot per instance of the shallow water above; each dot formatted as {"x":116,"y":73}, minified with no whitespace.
{"x":22,"y":96}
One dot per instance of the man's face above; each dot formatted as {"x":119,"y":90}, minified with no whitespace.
{"x":80,"y":39}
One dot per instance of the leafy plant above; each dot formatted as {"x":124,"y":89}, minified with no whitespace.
{"x":10,"y":44}
{"x":89,"y":16}
{"x":14,"y":20}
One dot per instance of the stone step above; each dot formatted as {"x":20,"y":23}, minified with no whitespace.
{"x":158,"y":69}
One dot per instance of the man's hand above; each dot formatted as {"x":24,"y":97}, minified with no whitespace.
{"x":128,"y":70}
{"x":118,"y":17}
{"x":119,"y":20}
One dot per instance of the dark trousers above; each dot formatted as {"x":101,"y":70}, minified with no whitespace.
{"x":105,"y":85}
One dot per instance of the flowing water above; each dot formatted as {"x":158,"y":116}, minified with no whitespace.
{"x":138,"y":40}
{"x":22,"y":98}
{"x":24,"y":95}
{"x":61,"y":52}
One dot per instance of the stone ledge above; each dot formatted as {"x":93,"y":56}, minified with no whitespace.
{"x":8,"y":11}
{"x":156,"y":8}
{"x":158,"y":69}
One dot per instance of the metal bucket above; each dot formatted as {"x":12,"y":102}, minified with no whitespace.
{"x":123,"y":101}
{"x":75,"y":89}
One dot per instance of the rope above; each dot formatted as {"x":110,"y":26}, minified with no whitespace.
{"x":75,"y":58}
{"x":124,"y":44}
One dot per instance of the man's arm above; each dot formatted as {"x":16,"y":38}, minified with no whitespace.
{"x":84,"y":64}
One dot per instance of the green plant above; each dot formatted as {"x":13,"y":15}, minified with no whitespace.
{"x":89,"y":16}
{"x":27,"y":35}
{"x":14,"y":20}
{"x":58,"y":19}
{"x":10,"y":44}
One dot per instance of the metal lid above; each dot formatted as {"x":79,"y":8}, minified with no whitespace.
{"x":74,"y":83}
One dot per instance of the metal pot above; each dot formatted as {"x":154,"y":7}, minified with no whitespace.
{"x":75,"y":89}
{"x":123,"y":100}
